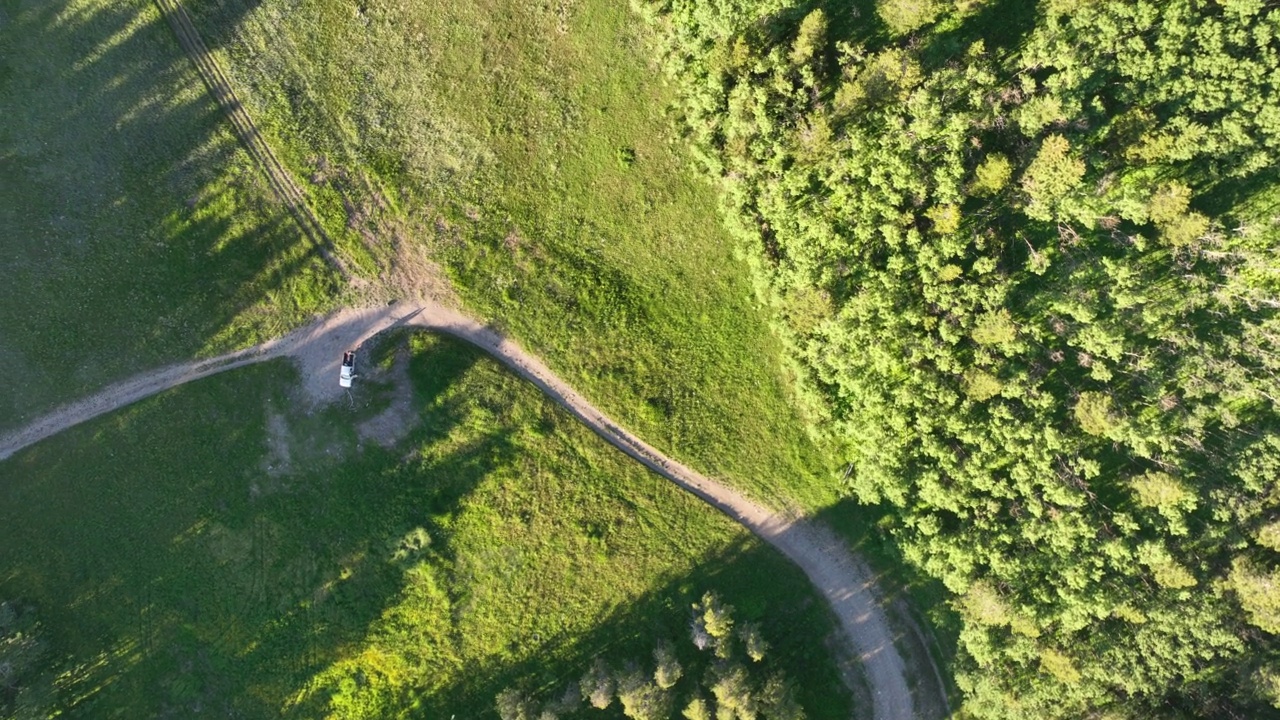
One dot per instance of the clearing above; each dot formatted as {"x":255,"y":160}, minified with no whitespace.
{"x":501,"y":543}
{"x":137,"y":231}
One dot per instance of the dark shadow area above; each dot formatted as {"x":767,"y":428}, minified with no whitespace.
{"x":914,"y":600}
{"x":215,"y":551}
{"x":1003,"y":25}
{"x":855,"y":22}
{"x":1225,"y":195}
{"x":761,"y":585}
{"x":137,"y":232}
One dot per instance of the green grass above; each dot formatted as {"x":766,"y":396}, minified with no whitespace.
{"x":173,"y":572}
{"x":525,"y":145}
{"x":136,"y":231}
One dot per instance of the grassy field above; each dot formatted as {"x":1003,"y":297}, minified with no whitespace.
{"x":214,"y":551}
{"x":274,"y":563}
{"x":524,"y":146}
{"x":136,"y":231}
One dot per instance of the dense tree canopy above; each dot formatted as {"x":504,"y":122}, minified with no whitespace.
{"x":1026,"y":262}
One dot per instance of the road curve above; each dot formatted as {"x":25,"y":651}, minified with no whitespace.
{"x":844,"y":580}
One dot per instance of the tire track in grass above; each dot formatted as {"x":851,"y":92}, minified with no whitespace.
{"x":841,"y":577}
{"x":278,"y":177}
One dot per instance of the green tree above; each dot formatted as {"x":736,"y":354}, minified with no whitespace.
{"x":811,"y":39}
{"x":1095,"y":414}
{"x":511,"y":704}
{"x":1259,"y":593}
{"x":640,"y":698}
{"x":753,"y":641}
{"x":904,"y":16}
{"x":597,"y":684}
{"x":730,"y":685}
{"x":992,"y":175}
{"x":697,"y":709}
{"x":668,"y":671}
{"x":1051,"y":177}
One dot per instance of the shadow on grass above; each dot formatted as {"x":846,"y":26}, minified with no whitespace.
{"x":176,"y":575}
{"x":138,"y":232}
{"x":762,"y":587}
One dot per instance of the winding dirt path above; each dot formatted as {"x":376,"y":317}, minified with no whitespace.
{"x":844,"y":580}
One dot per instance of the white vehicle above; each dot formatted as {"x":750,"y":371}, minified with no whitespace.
{"x":348,"y":368}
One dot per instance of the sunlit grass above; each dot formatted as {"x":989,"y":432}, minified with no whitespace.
{"x":526,"y":145}
{"x":502,"y":543}
{"x":136,"y":230}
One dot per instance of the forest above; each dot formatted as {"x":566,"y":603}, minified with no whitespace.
{"x":1024,"y":258}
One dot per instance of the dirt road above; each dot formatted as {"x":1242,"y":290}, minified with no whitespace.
{"x":844,"y":581}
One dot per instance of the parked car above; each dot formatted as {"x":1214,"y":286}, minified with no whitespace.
{"x":348,"y":368}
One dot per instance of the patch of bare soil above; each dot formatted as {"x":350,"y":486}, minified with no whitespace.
{"x":390,"y":426}
{"x":279,"y":459}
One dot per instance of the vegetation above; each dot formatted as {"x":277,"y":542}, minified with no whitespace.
{"x":24,"y":688}
{"x":656,"y":695}
{"x":281,"y":563}
{"x":1025,"y":254}
{"x":521,"y":145}
{"x":136,"y":230}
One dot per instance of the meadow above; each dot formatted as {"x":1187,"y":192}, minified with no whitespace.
{"x":219,"y":550}
{"x":525,"y":148}
{"x":279,"y":563}
{"x":136,"y":230}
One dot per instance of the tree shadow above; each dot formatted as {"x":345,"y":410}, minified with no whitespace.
{"x":790,"y":618}
{"x":218,"y":19}
{"x":1225,"y":194}
{"x":1002,"y":25}
{"x":176,"y":575}
{"x":138,"y":231}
